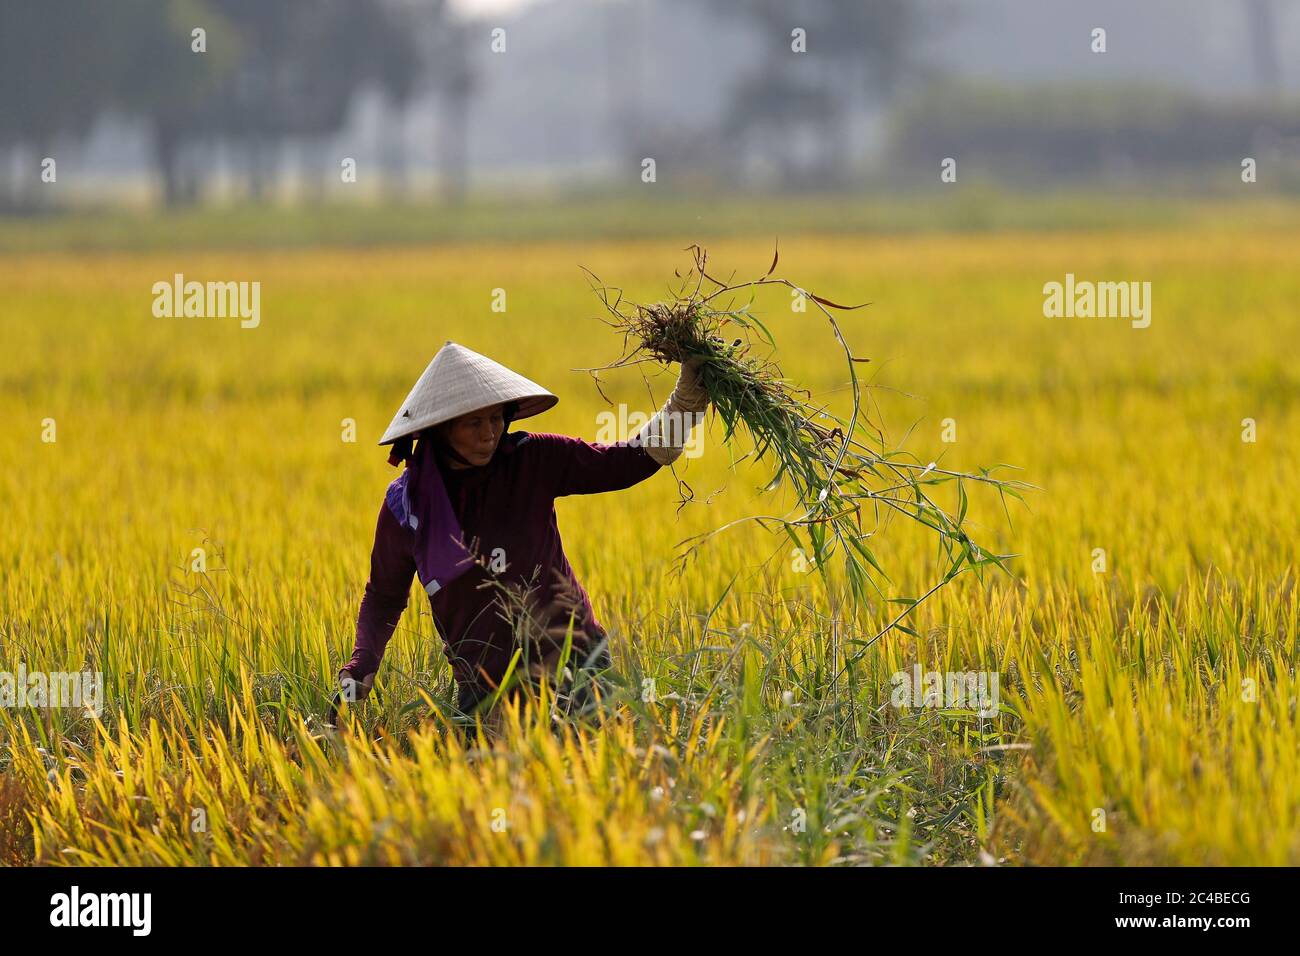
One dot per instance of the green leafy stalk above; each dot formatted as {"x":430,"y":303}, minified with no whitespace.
{"x":846,"y":478}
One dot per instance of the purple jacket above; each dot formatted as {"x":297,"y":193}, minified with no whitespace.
{"x":507,"y":504}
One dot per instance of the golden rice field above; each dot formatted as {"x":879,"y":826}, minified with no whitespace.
{"x":1148,"y":710}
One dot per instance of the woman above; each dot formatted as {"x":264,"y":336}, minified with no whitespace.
{"x":473,"y":517}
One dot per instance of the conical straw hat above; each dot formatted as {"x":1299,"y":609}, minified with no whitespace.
{"x":459,"y":380}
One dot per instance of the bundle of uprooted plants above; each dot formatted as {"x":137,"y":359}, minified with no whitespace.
{"x":846,"y":480}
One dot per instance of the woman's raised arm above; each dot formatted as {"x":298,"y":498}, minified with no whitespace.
{"x":579,"y":467}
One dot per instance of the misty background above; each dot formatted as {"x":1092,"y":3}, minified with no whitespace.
{"x":585,"y":90}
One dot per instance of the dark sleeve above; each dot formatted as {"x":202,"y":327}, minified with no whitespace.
{"x":571,"y":466}
{"x":392,"y":565}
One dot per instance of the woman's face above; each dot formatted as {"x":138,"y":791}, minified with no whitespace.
{"x":475,"y":434}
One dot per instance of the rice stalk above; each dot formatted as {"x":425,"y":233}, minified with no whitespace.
{"x":838,"y":467}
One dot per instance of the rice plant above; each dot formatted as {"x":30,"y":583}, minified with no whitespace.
{"x":840,"y":467}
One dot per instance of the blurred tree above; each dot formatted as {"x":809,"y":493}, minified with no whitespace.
{"x":855,"y":48}
{"x":444,"y":44}
{"x":265,"y":73}
{"x":1050,"y":134}
{"x":159,"y":75}
{"x":300,"y":67}
{"x":55,"y":77}
{"x":1263,"y":46}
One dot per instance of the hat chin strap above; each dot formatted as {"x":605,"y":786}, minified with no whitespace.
{"x":445,"y":449}
{"x":401,"y":451}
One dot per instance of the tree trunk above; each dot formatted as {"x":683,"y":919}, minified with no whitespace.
{"x":1263,"y":31}
{"x":256,"y":169}
{"x":166,"y":150}
{"x":454,"y":147}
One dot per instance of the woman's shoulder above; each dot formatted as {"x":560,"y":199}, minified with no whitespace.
{"x":395,"y":512}
{"x":536,"y":441}
{"x":534,"y":453}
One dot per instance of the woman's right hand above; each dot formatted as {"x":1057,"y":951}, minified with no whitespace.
{"x":353,"y":690}
{"x":350,"y":690}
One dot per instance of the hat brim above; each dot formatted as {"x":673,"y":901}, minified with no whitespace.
{"x":529,"y":406}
